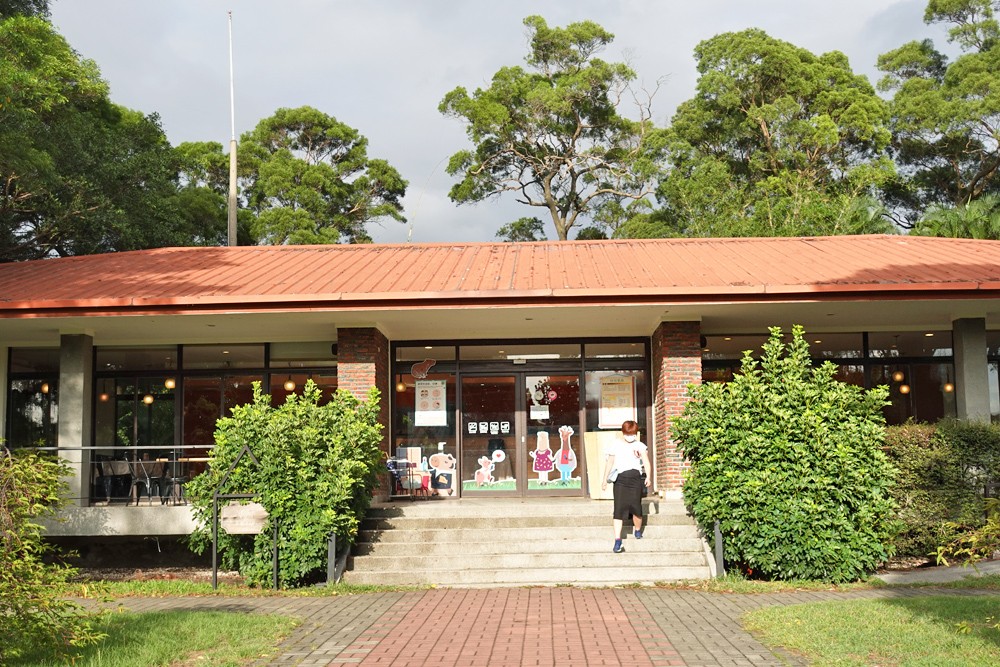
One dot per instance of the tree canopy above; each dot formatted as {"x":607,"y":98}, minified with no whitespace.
{"x":776,"y":142}
{"x":308,"y":179}
{"x":79,"y":174}
{"x":552,"y":133}
{"x":946,"y":115}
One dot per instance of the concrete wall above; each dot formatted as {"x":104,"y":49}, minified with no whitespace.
{"x":161,"y":520}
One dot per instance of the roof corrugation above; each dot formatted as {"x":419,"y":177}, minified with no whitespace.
{"x":419,"y":273}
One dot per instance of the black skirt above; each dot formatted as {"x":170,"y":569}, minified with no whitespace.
{"x":628,"y":495}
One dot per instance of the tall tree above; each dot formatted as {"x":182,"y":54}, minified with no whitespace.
{"x":776,"y":142}
{"x":203,"y":194}
{"x":946,"y":115}
{"x":978,"y":219}
{"x":553,"y":133}
{"x":309,"y":180}
{"x":522,"y":229}
{"x":39,"y":8}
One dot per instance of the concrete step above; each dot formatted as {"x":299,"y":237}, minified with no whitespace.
{"x":492,"y":507}
{"x":506,"y":521}
{"x":576,"y":545}
{"x":533,"y":534}
{"x":522,"y":542}
{"x":637,"y":557}
{"x":620,"y":574}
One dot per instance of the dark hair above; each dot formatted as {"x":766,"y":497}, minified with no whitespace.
{"x":630,"y":427}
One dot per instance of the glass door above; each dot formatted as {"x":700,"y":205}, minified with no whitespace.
{"x":489,"y":428}
{"x":552,"y":460}
{"x":520,"y":435}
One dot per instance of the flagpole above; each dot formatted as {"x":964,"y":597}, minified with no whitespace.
{"x":232,"y":142}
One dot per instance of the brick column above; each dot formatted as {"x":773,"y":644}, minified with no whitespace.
{"x":363,"y":363}
{"x":676,"y":360}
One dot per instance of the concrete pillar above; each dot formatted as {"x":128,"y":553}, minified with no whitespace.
{"x":972,"y":388}
{"x":676,"y":361}
{"x":363,"y":363}
{"x":76,"y":395}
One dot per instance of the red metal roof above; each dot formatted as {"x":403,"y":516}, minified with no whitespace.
{"x":411,"y":275}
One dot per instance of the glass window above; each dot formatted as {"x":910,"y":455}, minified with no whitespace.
{"x":993,"y":343}
{"x":303,"y":355}
{"x":623,"y":350}
{"x":519,"y":353}
{"x":34,"y":360}
{"x":422,"y":352}
{"x":136,"y":358}
{"x":284,"y":384}
{"x":132,"y":412}
{"x":910,"y":344}
{"x":922,"y":392}
{"x":851,"y":374}
{"x":717,"y":374}
{"x":731,"y":347}
{"x":429,"y":433}
{"x":223,"y":356}
{"x":33,"y":412}
{"x":835,"y":345}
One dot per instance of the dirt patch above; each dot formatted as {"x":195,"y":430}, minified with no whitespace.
{"x":192,"y":574}
{"x":906,"y":564}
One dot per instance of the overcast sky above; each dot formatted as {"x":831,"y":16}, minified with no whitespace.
{"x":383,"y":67}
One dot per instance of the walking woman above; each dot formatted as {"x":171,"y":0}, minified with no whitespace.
{"x":626,"y":461}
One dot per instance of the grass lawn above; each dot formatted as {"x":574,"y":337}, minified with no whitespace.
{"x":156,"y":639}
{"x":937,"y":631}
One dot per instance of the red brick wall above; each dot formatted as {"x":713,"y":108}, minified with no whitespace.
{"x":676,"y":361}
{"x":363,"y":363}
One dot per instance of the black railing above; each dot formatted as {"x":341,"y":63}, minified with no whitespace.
{"x":144,"y":474}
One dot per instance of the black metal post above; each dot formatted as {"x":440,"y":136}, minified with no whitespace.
{"x":275,"y":558}
{"x":331,"y":559}
{"x":215,"y":541}
{"x":720,"y":561}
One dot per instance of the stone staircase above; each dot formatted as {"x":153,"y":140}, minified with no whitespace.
{"x":522,"y":542}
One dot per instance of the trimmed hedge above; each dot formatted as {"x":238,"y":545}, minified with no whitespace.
{"x":944,"y":470}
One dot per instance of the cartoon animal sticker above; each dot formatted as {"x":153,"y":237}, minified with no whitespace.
{"x":565,"y":457}
{"x":485,"y":473}
{"x":442,"y":472}
{"x":542,"y":456}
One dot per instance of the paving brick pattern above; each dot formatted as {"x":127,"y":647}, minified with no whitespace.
{"x":523,"y":626}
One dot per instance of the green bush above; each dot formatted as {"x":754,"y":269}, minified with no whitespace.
{"x":32,"y":613}
{"x":931,"y":494}
{"x":977,"y":451}
{"x":789,"y":461}
{"x":318,"y":466}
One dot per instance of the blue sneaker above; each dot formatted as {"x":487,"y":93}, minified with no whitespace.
{"x":618,"y":547}
{"x":637,"y":534}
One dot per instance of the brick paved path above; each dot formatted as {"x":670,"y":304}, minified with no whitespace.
{"x":522,"y":626}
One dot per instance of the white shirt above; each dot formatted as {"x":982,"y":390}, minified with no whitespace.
{"x":628,"y":455}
